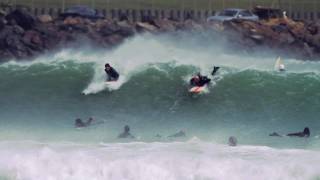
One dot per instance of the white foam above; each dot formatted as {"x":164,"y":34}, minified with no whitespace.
{"x":139,"y":161}
{"x":98,"y":84}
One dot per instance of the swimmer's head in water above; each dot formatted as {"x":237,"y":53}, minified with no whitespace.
{"x":232,"y":141}
{"x":126,"y":128}
{"x":306,"y":131}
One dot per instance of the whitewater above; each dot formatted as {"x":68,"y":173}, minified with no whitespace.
{"x":40,"y":99}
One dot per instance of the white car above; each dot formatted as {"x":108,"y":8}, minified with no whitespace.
{"x":230,"y":14}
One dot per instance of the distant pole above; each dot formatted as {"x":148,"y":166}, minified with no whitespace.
{"x":152,"y":5}
{"x":63,"y":5}
{"x":279,"y":2}
{"x":93,"y":4}
{"x":315,"y":9}
{"x":210,"y":5}
{"x":182,"y":5}
{"x":290,"y":7}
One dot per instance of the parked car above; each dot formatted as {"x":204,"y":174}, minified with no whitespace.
{"x":230,"y":14}
{"x":82,"y":11}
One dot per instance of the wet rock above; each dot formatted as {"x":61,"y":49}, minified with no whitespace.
{"x":125,"y":29}
{"x":45,"y":18}
{"x":2,"y":13}
{"x":145,"y":27}
{"x":165,"y":25}
{"x":16,"y":47}
{"x":23,"y":18}
{"x":17,"y":29}
{"x":114,"y":39}
{"x":2,"y":23}
{"x":192,"y":25}
{"x":73,"y":21}
{"x":109,"y":29}
{"x":4,"y":33}
{"x":33,"y":40}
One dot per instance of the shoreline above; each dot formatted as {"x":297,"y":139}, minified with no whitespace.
{"x":24,"y":36}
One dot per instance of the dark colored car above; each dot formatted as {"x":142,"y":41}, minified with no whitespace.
{"x":82,"y":11}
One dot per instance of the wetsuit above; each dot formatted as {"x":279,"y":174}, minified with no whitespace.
{"x":199,"y":81}
{"x":113,"y":75}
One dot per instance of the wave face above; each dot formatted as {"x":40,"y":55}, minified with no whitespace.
{"x":247,"y":99}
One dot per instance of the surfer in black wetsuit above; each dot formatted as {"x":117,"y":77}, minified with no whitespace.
{"x":79,"y":123}
{"x":200,"y":80}
{"x":126,"y":133}
{"x":305,"y":133}
{"x":232,"y":141}
{"x":113,"y":75}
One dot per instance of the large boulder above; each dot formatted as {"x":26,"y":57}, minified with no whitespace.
{"x":125,"y":29}
{"x":192,"y":25}
{"x":4,"y":33}
{"x":73,"y":21}
{"x":165,"y":25}
{"x":146,"y":27}
{"x":33,"y":40}
{"x":76,"y":24}
{"x":45,"y":18}
{"x":22,"y":17}
{"x":16,"y":47}
{"x":108,"y":28}
{"x":114,"y":39}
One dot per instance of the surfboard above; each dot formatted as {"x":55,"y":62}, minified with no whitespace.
{"x":197,"y":89}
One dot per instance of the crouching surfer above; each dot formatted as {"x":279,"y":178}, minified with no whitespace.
{"x":112,"y":74}
{"x":199,"y":80}
{"x":304,"y":133}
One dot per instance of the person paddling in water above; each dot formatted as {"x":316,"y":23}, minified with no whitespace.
{"x":304,"y":133}
{"x":112,"y":74}
{"x":199,"y":80}
{"x":126,"y":133}
{"x":79,"y":123}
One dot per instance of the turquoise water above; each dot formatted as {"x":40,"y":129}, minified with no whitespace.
{"x":247,"y":99}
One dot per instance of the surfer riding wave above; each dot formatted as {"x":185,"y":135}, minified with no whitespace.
{"x":200,"y":80}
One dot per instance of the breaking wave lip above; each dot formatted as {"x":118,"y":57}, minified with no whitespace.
{"x":136,"y":54}
{"x":139,"y":161}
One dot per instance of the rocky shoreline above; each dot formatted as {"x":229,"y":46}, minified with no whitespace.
{"x":23,"y":36}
